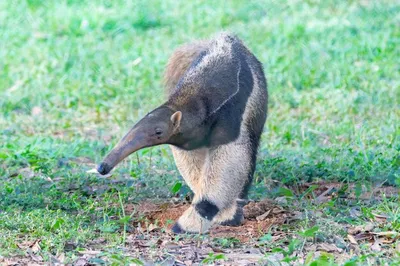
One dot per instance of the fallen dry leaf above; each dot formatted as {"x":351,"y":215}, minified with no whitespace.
{"x":363,"y":236}
{"x":80,"y":262}
{"x":387,"y":233}
{"x":152,"y":227}
{"x":188,"y":262}
{"x":36,"y":247}
{"x":82,"y":160}
{"x":263,"y":216}
{"x":36,"y":257}
{"x":361,"y":228}
{"x":89,"y":252}
{"x":30,"y":245}
{"x":328,"y":248}
{"x":143,"y":243}
{"x":170,"y":245}
{"x":355,"y":212}
{"x":94,"y":170}
{"x":250,"y":258}
{"x":61,"y":257}
{"x":326,"y":195}
{"x":369,"y":227}
{"x":277,"y":210}
{"x":380,"y":217}
{"x":254,"y":209}
{"x":281,"y":200}
{"x":387,"y":240}
{"x":352,"y":239}
{"x":376,"y":246}
{"x":387,"y":237}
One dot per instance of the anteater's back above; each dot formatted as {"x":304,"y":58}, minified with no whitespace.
{"x":223,"y":71}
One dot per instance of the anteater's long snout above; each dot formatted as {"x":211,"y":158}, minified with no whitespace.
{"x":131,"y":142}
{"x":104,"y":168}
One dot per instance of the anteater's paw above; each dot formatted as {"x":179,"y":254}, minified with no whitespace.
{"x":191,"y":222}
{"x":236,"y":220}
{"x":177,"y":229}
{"x":232,"y":216}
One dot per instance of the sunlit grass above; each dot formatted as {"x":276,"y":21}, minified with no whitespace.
{"x":76,"y":75}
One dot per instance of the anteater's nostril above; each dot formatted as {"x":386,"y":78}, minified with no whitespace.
{"x":103,"y":169}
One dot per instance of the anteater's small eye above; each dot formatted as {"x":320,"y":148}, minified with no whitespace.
{"x":158,"y":131}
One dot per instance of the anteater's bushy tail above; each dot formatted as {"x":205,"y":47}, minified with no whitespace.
{"x":180,"y":61}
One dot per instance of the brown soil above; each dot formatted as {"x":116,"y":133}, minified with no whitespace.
{"x":259,"y":217}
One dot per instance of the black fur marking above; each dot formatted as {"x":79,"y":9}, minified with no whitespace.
{"x":206,"y":209}
{"x":197,"y":60}
{"x":104,"y":169}
{"x":254,"y":142}
{"x":228,"y":129}
{"x":236,"y":220}
{"x":256,"y":124}
{"x":177,"y":229}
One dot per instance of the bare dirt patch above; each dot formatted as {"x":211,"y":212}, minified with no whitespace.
{"x":259,"y":217}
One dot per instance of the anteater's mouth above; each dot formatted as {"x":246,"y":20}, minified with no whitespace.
{"x":104,"y":168}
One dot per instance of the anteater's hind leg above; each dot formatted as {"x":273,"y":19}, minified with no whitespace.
{"x":233,"y":215}
{"x":224,"y":176}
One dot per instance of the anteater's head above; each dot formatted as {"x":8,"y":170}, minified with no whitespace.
{"x":158,"y":127}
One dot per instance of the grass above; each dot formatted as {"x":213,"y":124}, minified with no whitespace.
{"x":76,"y":75}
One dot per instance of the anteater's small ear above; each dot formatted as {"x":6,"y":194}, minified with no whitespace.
{"x":176,"y":118}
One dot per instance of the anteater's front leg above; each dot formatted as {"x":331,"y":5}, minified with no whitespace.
{"x":224,"y":175}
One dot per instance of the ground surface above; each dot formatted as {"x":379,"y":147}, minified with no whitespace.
{"x":76,"y":75}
